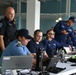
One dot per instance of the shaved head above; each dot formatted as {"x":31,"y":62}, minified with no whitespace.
{"x":10,"y":13}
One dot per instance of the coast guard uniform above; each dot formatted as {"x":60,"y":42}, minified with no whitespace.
{"x":62,"y":37}
{"x":52,"y":45}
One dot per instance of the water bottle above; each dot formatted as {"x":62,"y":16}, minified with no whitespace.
{"x":62,"y":59}
{"x":51,"y":54}
{"x":73,"y":48}
{"x":39,"y":60}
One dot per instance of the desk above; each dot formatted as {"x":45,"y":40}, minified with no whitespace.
{"x":69,"y":69}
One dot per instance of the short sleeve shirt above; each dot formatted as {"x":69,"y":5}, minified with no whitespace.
{"x":13,"y":49}
{"x":33,"y":46}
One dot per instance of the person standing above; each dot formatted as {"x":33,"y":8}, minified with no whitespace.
{"x":63,"y":29}
{"x":7,"y":29}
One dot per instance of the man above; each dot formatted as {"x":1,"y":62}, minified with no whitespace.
{"x":35,"y":44}
{"x":63,"y":29}
{"x":7,"y":28}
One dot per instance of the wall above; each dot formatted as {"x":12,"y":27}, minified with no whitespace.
{"x":46,"y":24}
{"x":52,"y":6}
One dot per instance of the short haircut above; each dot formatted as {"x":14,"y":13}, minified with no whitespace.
{"x":36,"y":31}
{"x":49,"y":31}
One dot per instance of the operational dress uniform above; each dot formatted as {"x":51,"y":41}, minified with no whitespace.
{"x":75,"y":33}
{"x":62,"y":37}
{"x":52,"y":46}
{"x":15,"y":48}
{"x":69,"y":41}
{"x":8,"y":30}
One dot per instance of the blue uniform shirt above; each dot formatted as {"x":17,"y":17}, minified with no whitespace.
{"x":33,"y":46}
{"x":52,"y":45}
{"x":62,"y":37}
{"x":69,"y":41}
{"x":13,"y":49}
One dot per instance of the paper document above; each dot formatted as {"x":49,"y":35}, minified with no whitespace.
{"x":25,"y":71}
{"x":67,"y":49}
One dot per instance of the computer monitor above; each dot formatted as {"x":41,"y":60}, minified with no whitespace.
{"x":16,"y":62}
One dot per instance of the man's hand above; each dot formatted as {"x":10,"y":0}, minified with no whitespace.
{"x":70,"y":48}
{"x":64,"y":32}
{"x":2,"y":46}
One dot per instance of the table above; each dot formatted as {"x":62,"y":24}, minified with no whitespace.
{"x":69,"y":69}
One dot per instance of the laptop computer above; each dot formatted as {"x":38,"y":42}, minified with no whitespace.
{"x":52,"y":66}
{"x":16,"y":62}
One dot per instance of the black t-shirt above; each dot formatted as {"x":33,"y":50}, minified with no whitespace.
{"x":33,"y":46}
{"x":8,"y":30}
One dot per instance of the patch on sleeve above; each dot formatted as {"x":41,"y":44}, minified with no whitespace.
{"x":0,"y":25}
{"x":19,"y":44}
{"x":70,"y":30}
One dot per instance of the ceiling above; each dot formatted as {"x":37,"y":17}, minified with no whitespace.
{"x":5,"y":3}
{"x":9,"y":2}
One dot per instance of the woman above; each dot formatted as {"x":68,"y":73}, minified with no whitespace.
{"x":51,"y":44}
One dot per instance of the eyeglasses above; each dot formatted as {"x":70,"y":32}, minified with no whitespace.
{"x":51,"y":33}
{"x":39,"y":36}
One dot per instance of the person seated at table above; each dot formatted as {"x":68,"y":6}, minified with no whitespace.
{"x":51,"y":44}
{"x":18,"y":46}
{"x":35,"y":44}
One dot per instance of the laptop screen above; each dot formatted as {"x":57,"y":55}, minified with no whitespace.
{"x":52,"y":63}
{"x":16,"y":62}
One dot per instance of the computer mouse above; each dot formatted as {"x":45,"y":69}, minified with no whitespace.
{"x":73,"y":64}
